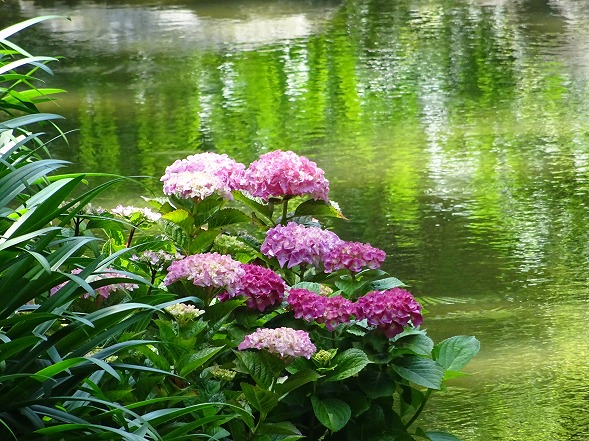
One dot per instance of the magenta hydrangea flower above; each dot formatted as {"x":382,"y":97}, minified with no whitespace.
{"x":261,"y":287}
{"x":278,"y":174}
{"x":285,"y":342}
{"x":103,"y":291}
{"x":201,"y":175}
{"x":389,"y":311}
{"x":353,"y":256}
{"x":308,"y":305}
{"x":294,"y":244}
{"x":207,"y":270}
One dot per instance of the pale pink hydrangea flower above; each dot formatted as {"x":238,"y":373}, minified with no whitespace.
{"x":279,"y":174}
{"x":389,"y":311}
{"x":308,"y":305}
{"x":103,"y":291}
{"x":201,"y":175}
{"x":136,"y":214}
{"x":285,"y":342}
{"x":261,"y":287}
{"x":294,"y":244}
{"x":353,"y":256}
{"x":207,"y":270}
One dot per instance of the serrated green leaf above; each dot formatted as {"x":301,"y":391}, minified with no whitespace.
{"x":309,"y":286}
{"x":317,"y":208}
{"x":455,"y":352}
{"x":441,"y":436}
{"x":196,"y":359}
{"x":383,"y":284}
{"x":332,"y":413}
{"x":260,"y":399}
{"x":418,"y":344}
{"x":421,"y":371}
{"x":227,"y":216}
{"x":347,"y":364}
{"x":264,"y":368}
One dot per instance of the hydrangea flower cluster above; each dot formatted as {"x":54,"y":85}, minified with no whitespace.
{"x":309,"y":306}
{"x":279,"y":174}
{"x":285,"y":342}
{"x":184,"y":312}
{"x":103,"y":291}
{"x":155,"y":259}
{"x":136,"y":215}
{"x":353,"y":256}
{"x":201,"y":175}
{"x":207,"y":270}
{"x":261,"y":287}
{"x":389,"y":310}
{"x":294,"y":244}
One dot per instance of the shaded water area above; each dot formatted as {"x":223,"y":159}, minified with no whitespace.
{"x":455,"y":134}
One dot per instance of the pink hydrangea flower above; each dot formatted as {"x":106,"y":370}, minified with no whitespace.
{"x":390,"y":310}
{"x":278,"y":174}
{"x":207,"y":270}
{"x":353,"y":256}
{"x":310,"y":306}
{"x":261,"y":287}
{"x":201,"y":175}
{"x":103,"y":291}
{"x":294,"y":244}
{"x":285,"y":342}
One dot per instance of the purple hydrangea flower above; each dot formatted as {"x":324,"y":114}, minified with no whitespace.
{"x":278,"y":174}
{"x":285,"y":342}
{"x":207,"y":270}
{"x":201,"y":175}
{"x":353,"y":256}
{"x":309,"y":306}
{"x":389,"y":310}
{"x":294,"y":244}
{"x":103,"y":291}
{"x":261,"y":287}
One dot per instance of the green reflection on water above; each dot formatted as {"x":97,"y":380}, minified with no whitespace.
{"x":455,"y":135}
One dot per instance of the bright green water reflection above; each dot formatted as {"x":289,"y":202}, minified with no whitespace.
{"x":455,"y":134}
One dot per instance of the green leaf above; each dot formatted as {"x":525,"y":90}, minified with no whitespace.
{"x":297,"y":380}
{"x":317,"y":208}
{"x":376,"y":384}
{"x":264,"y":368}
{"x":455,"y":352}
{"x":441,"y":436}
{"x":349,"y":287}
{"x":282,"y":428}
{"x":332,"y":413}
{"x":383,"y":284}
{"x":419,"y":344}
{"x":309,"y":286}
{"x":347,"y":364}
{"x":196,"y":359}
{"x":227,"y":216}
{"x":421,"y":371}
{"x":262,"y":400}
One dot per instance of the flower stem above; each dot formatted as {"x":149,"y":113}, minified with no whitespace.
{"x":419,"y":409}
{"x":284,"y":211}
{"x":131,"y":233}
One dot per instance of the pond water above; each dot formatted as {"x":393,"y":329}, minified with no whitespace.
{"x":455,"y":134}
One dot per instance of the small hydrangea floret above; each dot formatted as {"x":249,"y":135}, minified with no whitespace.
{"x":353,"y":256}
{"x":389,"y":311}
{"x":260,"y":286}
{"x":283,"y":174}
{"x":207,"y":270}
{"x":285,"y":342}
{"x":202,"y":175}
{"x":295,"y":244}
{"x":183,"y":311}
{"x":136,"y":215}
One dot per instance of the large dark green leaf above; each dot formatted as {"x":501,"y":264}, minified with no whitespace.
{"x":455,"y":352}
{"x":347,"y":364}
{"x":421,"y":371}
{"x":262,"y":400}
{"x":332,"y":413}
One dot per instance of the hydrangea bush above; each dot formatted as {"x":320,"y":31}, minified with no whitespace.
{"x":279,"y":316}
